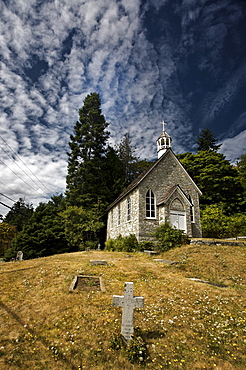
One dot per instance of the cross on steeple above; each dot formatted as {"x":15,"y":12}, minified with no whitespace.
{"x":163,"y":125}
{"x":164,"y":141}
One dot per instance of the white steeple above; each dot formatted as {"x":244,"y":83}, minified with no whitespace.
{"x":164,"y":141}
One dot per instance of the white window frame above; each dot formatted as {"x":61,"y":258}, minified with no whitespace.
{"x":150,"y":205}
{"x":192,"y":210}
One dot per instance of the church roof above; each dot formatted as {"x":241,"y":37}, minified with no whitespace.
{"x":164,"y":134}
{"x":142,"y":175}
{"x":170,"y":193}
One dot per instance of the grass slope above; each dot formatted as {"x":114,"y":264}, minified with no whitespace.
{"x":185,"y":324}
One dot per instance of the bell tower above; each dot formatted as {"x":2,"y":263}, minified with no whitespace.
{"x":164,"y":142}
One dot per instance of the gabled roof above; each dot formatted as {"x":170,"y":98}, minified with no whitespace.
{"x":145,"y":173}
{"x":172,"y":190}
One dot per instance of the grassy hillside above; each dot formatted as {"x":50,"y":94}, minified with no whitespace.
{"x":185,"y":324}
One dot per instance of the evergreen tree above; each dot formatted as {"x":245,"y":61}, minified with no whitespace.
{"x":43,"y":234}
{"x":7,"y":234}
{"x":207,"y":141}
{"x":241,"y":165}
{"x":217,"y":224}
{"x":126,"y":152}
{"x":132,"y":165}
{"x":216,"y":177}
{"x":19,"y":214}
{"x":82,"y":227}
{"x":114,"y":178}
{"x":87,"y":156}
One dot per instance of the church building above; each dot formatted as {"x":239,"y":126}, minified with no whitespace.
{"x":164,"y":192}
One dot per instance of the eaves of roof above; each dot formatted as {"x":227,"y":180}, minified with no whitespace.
{"x":171,"y":191}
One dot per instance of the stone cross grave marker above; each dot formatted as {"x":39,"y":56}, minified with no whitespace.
{"x":128,"y":302}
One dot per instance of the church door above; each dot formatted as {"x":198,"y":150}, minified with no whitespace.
{"x":177,"y":215}
{"x":178,"y":220}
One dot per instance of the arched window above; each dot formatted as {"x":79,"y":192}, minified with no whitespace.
{"x":150,"y":204}
{"x":128,"y":209}
{"x":192,"y":216}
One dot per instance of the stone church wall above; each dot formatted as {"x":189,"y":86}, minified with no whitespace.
{"x":164,"y":176}
{"x":167,"y":174}
{"x":125,"y":227}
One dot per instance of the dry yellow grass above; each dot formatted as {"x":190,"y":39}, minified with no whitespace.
{"x":185,"y":324}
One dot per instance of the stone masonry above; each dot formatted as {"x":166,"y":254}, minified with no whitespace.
{"x":174,"y":191}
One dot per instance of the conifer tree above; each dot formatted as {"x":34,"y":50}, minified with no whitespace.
{"x":43,"y":234}
{"x":216,"y":177}
{"x":87,"y":155}
{"x":132,"y":165}
{"x":241,"y":165}
{"x":19,"y":214}
{"x":207,"y":141}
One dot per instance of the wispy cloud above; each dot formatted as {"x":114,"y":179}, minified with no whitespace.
{"x":178,"y":61}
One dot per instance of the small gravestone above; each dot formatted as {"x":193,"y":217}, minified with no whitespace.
{"x":209,"y":282}
{"x":128,"y":302}
{"x":151,"y":253}
{"x":97,"y":262}
{"x":165,"y":261}
{"x":19,"y":256}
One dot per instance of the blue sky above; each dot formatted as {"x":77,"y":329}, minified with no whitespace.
{"x":183,"y":61}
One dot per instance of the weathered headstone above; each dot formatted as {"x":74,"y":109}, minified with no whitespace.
{"x":128,"y":302}
{"x":166,"y":261}
{"x":208,"y":282}
{"x":19,"y":256}
{"x":98,"y":262}
{"x":151,"y":253}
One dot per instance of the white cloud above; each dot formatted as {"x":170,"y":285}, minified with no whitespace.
{"x":21,"y":183}
{"x":234,"y":147}
{"x":105,"y":46}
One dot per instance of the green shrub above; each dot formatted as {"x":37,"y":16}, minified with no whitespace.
{"x":90,"y":244}
{"x":129,"y":243}
{"x":109,"y":245}
{"x":118,"y":246}
{"x":168,"y":237}
{"x":9,"y":254}
{"x":122,"y":244}
{"x":146,"y":245}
